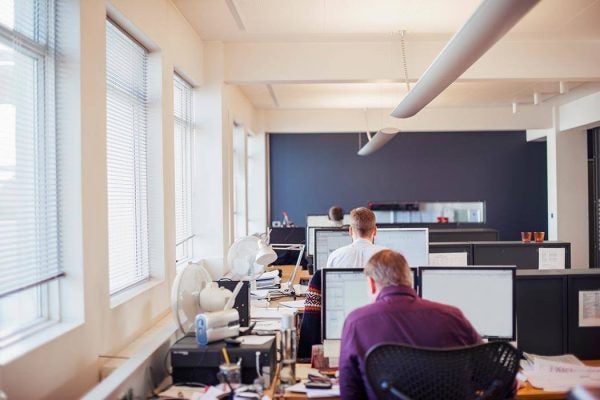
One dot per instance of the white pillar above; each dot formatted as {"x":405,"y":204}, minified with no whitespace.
{"x":568,"y":190}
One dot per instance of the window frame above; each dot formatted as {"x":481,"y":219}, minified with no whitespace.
{"x":141,"y":211}
{"x":184,"y":246}
{"x":240,"y":181}
{"x":40,"y":48}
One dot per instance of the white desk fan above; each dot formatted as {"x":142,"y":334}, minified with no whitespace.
{"x":185,"y":295}
{"x":248,"y":256}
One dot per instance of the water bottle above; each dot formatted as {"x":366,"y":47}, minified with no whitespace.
{"x":287,"y":346}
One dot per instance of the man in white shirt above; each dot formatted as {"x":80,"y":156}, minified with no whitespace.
{"x":362,"y":230}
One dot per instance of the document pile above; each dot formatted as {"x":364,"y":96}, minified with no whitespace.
{"x":268,"y":280}
{"x":559,"y":373}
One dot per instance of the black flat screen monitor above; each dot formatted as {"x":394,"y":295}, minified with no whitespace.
{"x":485,"y":295}
{"x":327,"y":240}
{"x":413,"y":243}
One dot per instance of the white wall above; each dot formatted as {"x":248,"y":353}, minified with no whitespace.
{"x":219,"y":107}
{"x":67,"y":366}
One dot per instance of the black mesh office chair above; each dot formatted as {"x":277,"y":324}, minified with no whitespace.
{"x":485,"y":371}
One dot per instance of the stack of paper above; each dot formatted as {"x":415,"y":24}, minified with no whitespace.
{"x":268,"y":280}
{"x":315,"y":393}
{"x":560,"y":373}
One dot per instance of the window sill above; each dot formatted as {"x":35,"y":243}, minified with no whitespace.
{"x":45,"y":334}
{"x":134,"y":291}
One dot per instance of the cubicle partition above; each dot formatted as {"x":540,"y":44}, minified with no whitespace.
{"x":463,"y":235}
{"x":583,"y":334}
{"x":550,"y":254}
{"x":541,"y":312}
{"x":549,"y":318}
{"x":453,"y":248}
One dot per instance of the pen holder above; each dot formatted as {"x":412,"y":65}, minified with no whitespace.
{"x":230,"y":373}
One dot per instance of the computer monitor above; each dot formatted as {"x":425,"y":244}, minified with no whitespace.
{"x":344,"y":290}
{"x":326,"y":241}
{"x":485,"y":295}
{"x":415,"y":277}
{"x":314,"y":221}
{"x":413,"y":243}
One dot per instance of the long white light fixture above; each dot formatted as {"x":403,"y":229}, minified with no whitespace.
{"x":492,"y":20}
{"x":377,"y":141}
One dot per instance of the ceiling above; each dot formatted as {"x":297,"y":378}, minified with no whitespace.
{"x":374,"y":20}
{"x":310,"y":20}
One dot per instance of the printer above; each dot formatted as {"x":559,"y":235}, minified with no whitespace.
{"x":192,"y":363}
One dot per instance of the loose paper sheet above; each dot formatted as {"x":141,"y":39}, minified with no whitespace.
{"x":551,"y":258}
{"x":292,"y":304}
{"x":589,"y":308}
{"x":448,"y":259}
{"x":332,"y":348}
{"x":255,"y":339}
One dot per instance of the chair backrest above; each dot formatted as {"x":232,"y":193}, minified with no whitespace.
{"x":485,"y":371}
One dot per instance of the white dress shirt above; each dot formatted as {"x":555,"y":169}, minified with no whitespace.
{"x":354,"y":255}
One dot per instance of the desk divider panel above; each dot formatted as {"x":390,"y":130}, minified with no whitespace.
{"x":523,"y":255}
{"x":584,"y":341}
{"x":541,"y":314}
{"x":453,"y":247}
{"x":463,"y":235}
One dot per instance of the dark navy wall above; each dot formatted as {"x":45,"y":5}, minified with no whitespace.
{"x":310,"y":172}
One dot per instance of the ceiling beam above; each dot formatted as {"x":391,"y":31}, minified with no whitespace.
{"x":236,"y":15}
{"x":371,"y":61}
{"x":428,"y":120}
{"x":273,"y":95}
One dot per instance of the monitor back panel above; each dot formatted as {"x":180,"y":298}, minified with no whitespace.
{"x":242,"y":301}
{"x":541,"y":314}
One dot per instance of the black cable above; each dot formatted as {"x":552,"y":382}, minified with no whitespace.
{"x":232,"y":394}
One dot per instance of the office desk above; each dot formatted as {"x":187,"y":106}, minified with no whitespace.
{"x":525,"y":393}
{"x":529,"y":392}
{"x":288,"y":270}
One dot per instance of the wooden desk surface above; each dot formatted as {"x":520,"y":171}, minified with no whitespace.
{"x":525,"y":393}
{"x":529,"y":392}
{"x":288,"y":270}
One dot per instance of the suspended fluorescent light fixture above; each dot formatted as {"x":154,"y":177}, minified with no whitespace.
{"x":492,"y":20}
{"x":377,"y":141}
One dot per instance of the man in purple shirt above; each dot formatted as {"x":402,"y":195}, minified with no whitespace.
{"x":397,"y":315}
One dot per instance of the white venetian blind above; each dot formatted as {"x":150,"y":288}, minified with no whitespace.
{"x":183,"y":136}
{"x":29,"y":236}
{"x":126,"y":123}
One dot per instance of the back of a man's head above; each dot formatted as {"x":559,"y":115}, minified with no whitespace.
{"x":336,"y":213}
{"x":362,"y":221}
{"x":387,"y":268}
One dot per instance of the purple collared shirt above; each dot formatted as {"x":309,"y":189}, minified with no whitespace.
{"x":397,"y":315}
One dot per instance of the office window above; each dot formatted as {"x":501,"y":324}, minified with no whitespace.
{"x":126,"y":145}
{"x":29,"y":237}
{"x":184,"y":135}
{"x":240,"y":182}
